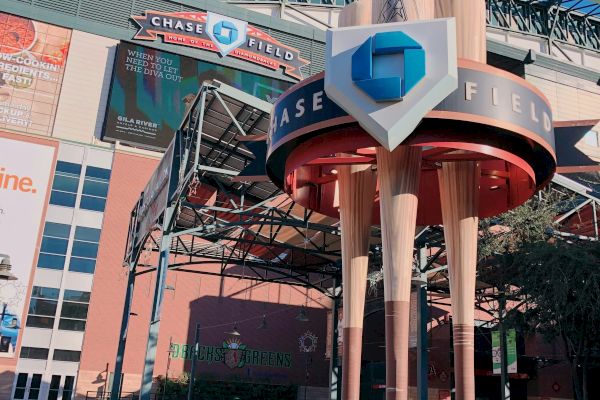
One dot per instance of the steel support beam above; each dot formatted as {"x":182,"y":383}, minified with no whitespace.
{"x":117,"y":383}
{"x":422,"y":319}
{"x":334,"y":368}
{"x":161,"y":275}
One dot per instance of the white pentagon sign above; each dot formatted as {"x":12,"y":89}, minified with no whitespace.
{"x":226,"y":33}
{"x":391,"y":116}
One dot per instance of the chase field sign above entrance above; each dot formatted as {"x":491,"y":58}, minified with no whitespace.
{"x":389,"y":76}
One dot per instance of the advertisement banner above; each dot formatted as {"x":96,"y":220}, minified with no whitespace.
{"x":32,"y":63}
{"x":25,"y":171}
{"x":511,"y":352}
{"x":151,"y":91}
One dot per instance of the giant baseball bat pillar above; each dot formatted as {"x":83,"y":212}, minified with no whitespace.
{"x":357,"y":184}
{"x":459,"y":195}
{"x":398,"y":173}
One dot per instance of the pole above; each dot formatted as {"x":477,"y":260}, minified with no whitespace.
{"x":504,"y":379}
{"x":168,"y":366}
{"x":422,"y":318}
{"x":190,"y":394}
{"x":334,"y":369}
{"x":115,"y":392}
{"x":161,"y":275}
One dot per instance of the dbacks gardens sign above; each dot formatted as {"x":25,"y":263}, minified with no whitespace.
{"x":232,"y":353}
{"x":220,"y":34}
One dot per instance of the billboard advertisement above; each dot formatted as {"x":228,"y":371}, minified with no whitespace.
{"x":151,"y":90}
{"x":32,"y":64}
{"x":25,"y":172}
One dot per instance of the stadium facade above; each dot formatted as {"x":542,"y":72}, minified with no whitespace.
{"x":83,"y":124}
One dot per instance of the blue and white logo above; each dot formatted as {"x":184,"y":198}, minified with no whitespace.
{"x":226,"y":33}
{"x":389,"y":76}
{"x":377,"y":73}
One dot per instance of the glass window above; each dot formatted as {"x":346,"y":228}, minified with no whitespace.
{"x":85,"y":265}
{"x":40,"y":322}
{"x":74,"y":310}
{"x":76,"y":295}
{"x":43,"y":307}
{"x":87,"y":234}
{"x":63,"y":199}
{"x":92,"y":203}
{"x":20,"y":386}
{"x":68,"y":387}
{"x":34,"y":387}
{"x":54,"y":387}
{"x":65,"y":184}
{"x":68,"y":168}
{"x":54,"y":245}
{"x":37,"y":353}
{"x":95,"y":189}
{"x":57,"y":230}
{"x":44,"y":292}
{"x":95,"y":172}
{"x":66,"y":355}
{"x":84,"y":249}
{"x":51,"y":261}
{"x":71,"y":325}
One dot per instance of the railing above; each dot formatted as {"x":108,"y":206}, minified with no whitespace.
{"x":94,"y":395}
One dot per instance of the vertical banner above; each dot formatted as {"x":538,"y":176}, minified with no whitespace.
{"x":32,"y":64}
{"x":25,"y":171}
{"x":511,"y":352}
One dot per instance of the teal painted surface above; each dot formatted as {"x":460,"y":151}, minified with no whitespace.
{"x":111,"y":18}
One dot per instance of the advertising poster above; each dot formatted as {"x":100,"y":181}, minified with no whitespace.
{"x":25,"y":171}
{"x":152,"y":89}
{"x":511,"y":352}
{"x":32,"y":64}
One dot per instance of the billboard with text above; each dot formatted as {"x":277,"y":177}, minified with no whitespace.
{"x":25,"y":172}
{"x":152,"y":89}
{"x":32,"y":64}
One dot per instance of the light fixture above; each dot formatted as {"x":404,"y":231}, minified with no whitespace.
{"x":302,"y":315}
{"x":5,"y":266}
{"x":234,"y":332}
{"x":263,"y":324}
{"x":169,"y":287}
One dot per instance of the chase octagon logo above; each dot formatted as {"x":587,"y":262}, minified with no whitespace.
{"x":389,"y":76}
{"x":387,"y":84}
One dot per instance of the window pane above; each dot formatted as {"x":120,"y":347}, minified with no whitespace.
{"x":40,"y":322}
{"x":68,"y":167}
{"x":56,"y":246}
{"x":96,"y":172}
{"x":95,"y":188}
{"x":42,"y":307}
{"x":36,"y":353}
{"x":19,"y":393}
{"x":57,"y":230}
{"x":66,"y":355}
{"x":84,"y":249}
{"x":74,"y":310}
{"x":87,"y":234}
{"x":51,"y":261}
{"x":71,"y":325}
{"x":63,"y":199}
{"x":44,"y":292}
{"x":36,"y":379}
{"x":76,"y":295}
{"x":69,"y":381}
{"x":22,"y":380}
{"x":65,"y":183}
{"x":33,"y":394}
{"x":92,"y":203}
{"x":55,"y":382}
{"x":86,"y":265}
